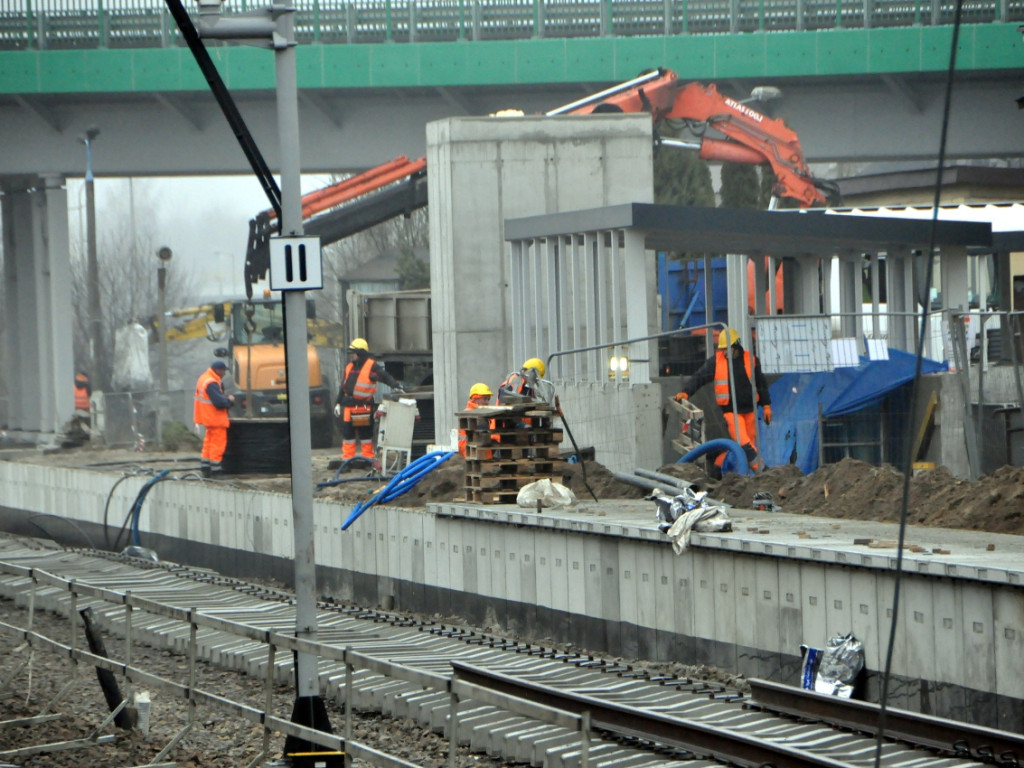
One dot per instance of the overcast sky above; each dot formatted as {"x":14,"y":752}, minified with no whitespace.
{"x":203,"y":220}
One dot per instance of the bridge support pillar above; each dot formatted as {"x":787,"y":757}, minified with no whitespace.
{"x":39,"y":361}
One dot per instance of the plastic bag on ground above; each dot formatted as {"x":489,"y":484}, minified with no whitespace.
{"x":686,"y":512}
{"x":834,"y":669}
{"x":545,"y":493}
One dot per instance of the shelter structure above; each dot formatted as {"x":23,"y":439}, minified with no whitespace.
{"x":551,"y":250}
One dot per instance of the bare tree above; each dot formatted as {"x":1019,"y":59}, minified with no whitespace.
{"x":128,"y":285}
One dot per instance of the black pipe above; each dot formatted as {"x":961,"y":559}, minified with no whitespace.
{"x":675,"y":482}
{"x":579,"y":458}
{"x":125,"y":719}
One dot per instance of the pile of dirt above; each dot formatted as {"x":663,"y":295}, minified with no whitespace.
{"x":856,"y":490}
{"x":589,"y":476}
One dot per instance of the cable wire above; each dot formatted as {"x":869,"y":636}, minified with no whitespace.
{"x":915,"y":390}
{"x":106,"y":510}
{"x":401,"y":483}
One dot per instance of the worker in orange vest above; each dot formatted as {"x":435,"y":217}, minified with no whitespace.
{"x":525,"y":383}
{"x":210,"y":411}
{"x":479,"y":397}
{"x":748,"y":380}
{"x":355,"y":403}
{"x":83,"y":391}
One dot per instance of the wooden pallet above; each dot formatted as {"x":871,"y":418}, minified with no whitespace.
{"x":507,"y":448}
{"x":491,"y":497}
{"x":518,"y":436}
{"x":502,"y":452}
{"x":497,"y":482}
{"x":537,"y":468}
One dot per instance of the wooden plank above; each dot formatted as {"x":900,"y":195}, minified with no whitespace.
{"x":491,"y":497}
{"x":506,"y":454}
{"x":522,"y":466}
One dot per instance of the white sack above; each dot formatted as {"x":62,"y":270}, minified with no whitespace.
{"x":131,"y":360}
{"x":549,"y":494}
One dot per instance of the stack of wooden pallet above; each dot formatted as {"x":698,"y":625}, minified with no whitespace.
{"x":508,"y":447}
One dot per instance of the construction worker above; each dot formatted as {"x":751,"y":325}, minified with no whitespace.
{"x":355,"y":403}
{"x":210,"y":411}
{"x":528,"y":382}
{"x":479,"y":397}
{"x":83,"y":390}
{"x":747,"y":377}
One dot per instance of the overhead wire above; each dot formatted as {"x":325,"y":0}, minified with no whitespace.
{"x":915,"y":390}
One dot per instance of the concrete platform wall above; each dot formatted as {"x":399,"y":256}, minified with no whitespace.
{"x":604,"y":580}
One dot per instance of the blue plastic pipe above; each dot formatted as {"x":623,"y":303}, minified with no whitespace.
{"x":136,"y":509}
{"x":400,"y":483}
{"x":735,"y":461}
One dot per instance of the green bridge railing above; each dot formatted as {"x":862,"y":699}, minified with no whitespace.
{"x":74,"y":24}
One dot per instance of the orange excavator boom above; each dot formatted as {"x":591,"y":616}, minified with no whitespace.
{"x":750,"y":136}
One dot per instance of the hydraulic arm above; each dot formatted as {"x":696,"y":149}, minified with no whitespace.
{"x":750,"y":137}
{"x":399,"y":186}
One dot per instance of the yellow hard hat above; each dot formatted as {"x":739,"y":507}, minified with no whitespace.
{"x":727,"y":338}
{"x":359,"y":344}
{"x":537,"y":364}
{"x":479,"y":389}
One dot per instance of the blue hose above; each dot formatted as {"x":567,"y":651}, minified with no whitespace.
{"x":735,"y":460}
{"x":400,"y":483}
{"x":136,"y":509}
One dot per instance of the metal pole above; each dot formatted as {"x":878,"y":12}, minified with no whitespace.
{"x":308,"y":708}
{"x":163,"y":254}
{"x":95,"y":341}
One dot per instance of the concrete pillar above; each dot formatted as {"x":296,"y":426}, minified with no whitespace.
{"x":739,"y":311}
{"x":37,"y":305}
{"x":953,"y":278}
{"x":900,"y":294}
{"x":54,"y":291}
{"x":22,"y":354}
{"x":484,"y":170}
{"x":850,"y":296}
{"x":807,"y":288}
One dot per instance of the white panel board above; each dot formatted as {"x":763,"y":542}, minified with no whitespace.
{"x":794,"y":344}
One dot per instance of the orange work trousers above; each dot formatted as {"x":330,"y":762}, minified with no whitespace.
{"x":742,"y":428}
{"x":215,"y":441}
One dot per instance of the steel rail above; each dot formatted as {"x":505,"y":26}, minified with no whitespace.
{"x":390,"y":669}
{"x":698,"y":738}
{"x":961,"y":739}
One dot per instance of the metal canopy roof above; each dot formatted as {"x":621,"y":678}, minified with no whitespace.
{"x":813,"y":234}
{"x":1007,"y":219}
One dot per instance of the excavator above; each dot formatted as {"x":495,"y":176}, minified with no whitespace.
{"x":254,"y":332}
{"x":399,"y":186}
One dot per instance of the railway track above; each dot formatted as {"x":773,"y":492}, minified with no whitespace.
{"x":499,"y":687}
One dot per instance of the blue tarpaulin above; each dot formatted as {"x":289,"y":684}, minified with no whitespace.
{"x":797,"y":396}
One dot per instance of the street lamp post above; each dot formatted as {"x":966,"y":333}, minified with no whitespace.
{"x":92,"y":264}
{"x":164,"y":254}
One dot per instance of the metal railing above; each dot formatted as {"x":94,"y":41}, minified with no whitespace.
{"x":83,"y":24}
{"x":194,"y":621}
{"x":808,"y":343}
